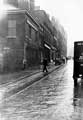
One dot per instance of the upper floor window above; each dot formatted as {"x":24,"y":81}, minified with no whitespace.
{"x":11,"y":28}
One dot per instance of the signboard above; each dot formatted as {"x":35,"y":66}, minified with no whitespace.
{"x":78,"y":51}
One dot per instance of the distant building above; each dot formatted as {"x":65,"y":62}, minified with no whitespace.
{"x":37,"y":7}
{"x":61,"y":37}
{"x":32,"y":4}
{"x":48,"y":35}
{"x":23,"y":4}
{"x":12,"y":2}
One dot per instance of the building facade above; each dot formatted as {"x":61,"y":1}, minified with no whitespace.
{"x":49,"y":42}
{"x":20,"y":41}
{"x":22,"y":4}
{"x":27,"y":37}
{"x":13,"y":40}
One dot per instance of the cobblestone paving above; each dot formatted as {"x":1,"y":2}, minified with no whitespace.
{"x":53,"y":98}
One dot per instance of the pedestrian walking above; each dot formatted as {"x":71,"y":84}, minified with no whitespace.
{"x":45,"y":65}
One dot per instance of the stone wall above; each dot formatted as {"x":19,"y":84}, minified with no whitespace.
{"x":13,"y":46}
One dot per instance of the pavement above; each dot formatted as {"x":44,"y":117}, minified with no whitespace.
{"x":17,"y":76}
{"x":49,"y":99}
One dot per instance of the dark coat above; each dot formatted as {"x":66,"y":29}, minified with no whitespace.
{"x":45,"y":62}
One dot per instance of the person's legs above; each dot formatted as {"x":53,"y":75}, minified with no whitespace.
{"x":43,"y":68}
{"x":46,"y":69}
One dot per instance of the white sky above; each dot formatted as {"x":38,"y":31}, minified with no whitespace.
{"x":70,"y":15}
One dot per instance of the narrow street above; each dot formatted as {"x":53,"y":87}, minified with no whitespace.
{"x":41,"y":60}
{"x":51,"y":98}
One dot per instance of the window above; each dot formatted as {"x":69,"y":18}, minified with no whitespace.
{"x":11,"y":28}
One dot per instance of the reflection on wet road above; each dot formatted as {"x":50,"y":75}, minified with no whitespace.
{"x":52,"y":98}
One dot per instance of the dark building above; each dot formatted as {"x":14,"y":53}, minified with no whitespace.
{"x":32,"y":41}
{"x":12,"y":29}
{"x":23,"y":4}
{"x":48,"y":35}
{"x":19,"y":38}
{"x":26,"y":37}
{"x":60,"y":37}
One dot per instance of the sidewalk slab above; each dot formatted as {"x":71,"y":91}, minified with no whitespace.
{"x":13,"y":77}
{"x":16,"y":87}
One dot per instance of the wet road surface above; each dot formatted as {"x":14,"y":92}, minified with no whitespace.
{"x":52,"y":98}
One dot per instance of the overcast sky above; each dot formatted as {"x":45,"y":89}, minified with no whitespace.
{"x":70,"y":15}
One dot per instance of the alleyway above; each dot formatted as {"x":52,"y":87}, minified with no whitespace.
{"x":51,"y":98}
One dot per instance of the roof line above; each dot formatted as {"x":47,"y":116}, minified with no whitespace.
{"x":23,"y":11}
